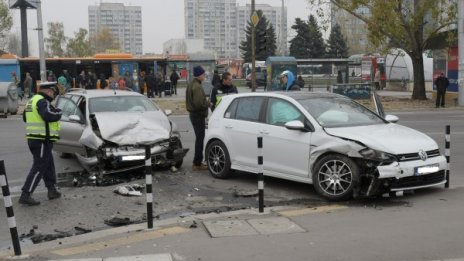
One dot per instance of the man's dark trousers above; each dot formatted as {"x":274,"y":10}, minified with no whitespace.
{"x":42,"y":167}
{"x":441,"y":92}
{"x":198,"y":122}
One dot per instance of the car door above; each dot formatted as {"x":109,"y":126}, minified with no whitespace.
{"x":242,"y":127}
{"x":286,"y":152}
{"x":71,"y":126}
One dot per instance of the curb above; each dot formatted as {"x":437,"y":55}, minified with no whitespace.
{"x":159,"y":226}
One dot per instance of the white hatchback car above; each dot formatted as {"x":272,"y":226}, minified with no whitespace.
{"x":325,"y":139}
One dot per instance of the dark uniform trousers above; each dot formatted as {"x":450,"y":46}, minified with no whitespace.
{"x":198,"y":122}
{"x":42,"y":167}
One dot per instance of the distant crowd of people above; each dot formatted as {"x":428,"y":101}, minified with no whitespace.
{"x":151,"y":84}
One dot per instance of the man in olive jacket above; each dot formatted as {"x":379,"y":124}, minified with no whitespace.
{"x":197,"y":106}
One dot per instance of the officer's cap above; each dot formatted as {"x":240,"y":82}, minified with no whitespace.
{"x":49,"y":85}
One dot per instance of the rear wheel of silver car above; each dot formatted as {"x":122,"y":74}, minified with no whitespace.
{"x":335,"y":177}
{"x":218,"y":159}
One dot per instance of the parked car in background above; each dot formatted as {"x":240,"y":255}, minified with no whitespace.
{"x":108,"y":131}
{"x":325,"y":139}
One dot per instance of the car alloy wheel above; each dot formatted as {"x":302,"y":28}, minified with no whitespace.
{"x":335,"y":177}
{"x":217,"y":157}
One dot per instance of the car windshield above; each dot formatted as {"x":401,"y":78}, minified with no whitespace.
{"x":331,"y":112}
{"x":121,"y":103}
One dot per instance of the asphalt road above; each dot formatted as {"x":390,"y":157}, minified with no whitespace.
{"x":184,"y":193}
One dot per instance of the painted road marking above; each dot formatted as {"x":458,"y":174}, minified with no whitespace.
{"x":306,"y":211}
{"x":120,"y":241}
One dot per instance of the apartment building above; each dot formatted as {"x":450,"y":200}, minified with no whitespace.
{"x":124,"y":22}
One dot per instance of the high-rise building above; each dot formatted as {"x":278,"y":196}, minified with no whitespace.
{"x":353,"y":29}
{"x":276,"y":17}
{"x":222,"y":24}
{"x":214,"y":21}
{"x":124,"y":23}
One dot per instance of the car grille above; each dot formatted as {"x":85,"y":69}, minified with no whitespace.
{"x":415,"y":156}
{"x":417,"y":181}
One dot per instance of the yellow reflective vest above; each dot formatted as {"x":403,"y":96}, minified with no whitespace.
{"x":36,"y":127}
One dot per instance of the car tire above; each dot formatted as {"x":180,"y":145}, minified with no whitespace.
{"x":218,"y":160}
{"x":335,"y":177}
{"x":65,"y":155}
{"x":179,"y":163}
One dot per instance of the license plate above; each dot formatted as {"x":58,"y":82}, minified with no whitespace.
{"x":426,"y":169}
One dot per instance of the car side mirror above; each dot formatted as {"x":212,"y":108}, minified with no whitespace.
{"x":295,"y":125}
{"x":168,"y":112}
{"x":75,"y":118}
{"x":391,"y":118}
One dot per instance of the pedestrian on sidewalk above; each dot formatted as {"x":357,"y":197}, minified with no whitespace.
{"x":42,"y":129}
{"x":27,"y":85}
{"x":197,"y":106}
{"x":442,"y":84}
{"x":174,"y":78}
{"x":289,"y":82}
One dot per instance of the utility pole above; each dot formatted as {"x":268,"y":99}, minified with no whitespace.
{"x":282,"y":31}
{"x":43,"y":69}
{"x":461,"y":52}
{"x":253,"y":46}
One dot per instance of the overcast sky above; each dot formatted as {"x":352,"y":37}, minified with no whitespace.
{"x":161,"y":19}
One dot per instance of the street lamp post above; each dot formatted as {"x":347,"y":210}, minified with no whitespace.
{"x":253,"y":51}
{"x":461,"y":52}
{"x":43,"y":69}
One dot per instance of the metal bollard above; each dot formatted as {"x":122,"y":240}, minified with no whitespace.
{"x":447,"y":153}
{"x":9,"y":209}
{"x":260,"y":175}
{"x":148,"y":188}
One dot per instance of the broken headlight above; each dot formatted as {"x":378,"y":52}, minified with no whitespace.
{"x":376,"y":155}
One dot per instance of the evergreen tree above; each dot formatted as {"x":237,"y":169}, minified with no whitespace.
{"x":316,"y":44}
{"x":298,"y":45}
{"x":308,"y":42}
{"x":265,"y":40}
{"x":337,"y":45}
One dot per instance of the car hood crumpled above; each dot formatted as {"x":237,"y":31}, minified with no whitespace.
{"x":133,"y":128}
{"x":390,"y":138}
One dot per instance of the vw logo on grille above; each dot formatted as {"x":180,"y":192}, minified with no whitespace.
{"x":423,"y":155}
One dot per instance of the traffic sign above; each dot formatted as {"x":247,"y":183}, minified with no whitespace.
{"x":254,"y":18}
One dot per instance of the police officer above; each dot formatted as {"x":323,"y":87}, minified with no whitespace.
{"x":42,"y":129}
{"x":224,"y":87}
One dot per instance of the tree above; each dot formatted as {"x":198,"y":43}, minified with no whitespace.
{"x":14,"y":44}
{"x":265,"y":39}
{"x":316,"y":44}
{"x":103,"y":41}
{"x":298,"y":47}
{"x":336,"y":45}
{"x":6,"y":22}
{"x":308,"y":43}
{"x":407,"y":24}
{"x":79,"y":46}
{"x":56,"y":39}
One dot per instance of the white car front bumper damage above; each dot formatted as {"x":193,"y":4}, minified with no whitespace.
{"x":415,"y":174}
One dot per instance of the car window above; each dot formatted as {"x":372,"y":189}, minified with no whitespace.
{"x":249,"y":108}
{"x":280,"y":112}
{"x":339,"y":112}
{"x":230,"y":112}
{"x":68,"y":108}
{"x":121,"y":103}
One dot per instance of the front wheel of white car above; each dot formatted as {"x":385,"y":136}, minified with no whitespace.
{"x":218,"y":159}
{"x":335,"y":177}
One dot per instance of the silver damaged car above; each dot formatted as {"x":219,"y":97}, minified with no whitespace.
{"x":108,"y":131}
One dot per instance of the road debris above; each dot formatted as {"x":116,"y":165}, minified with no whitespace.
{"x":134,"y":190}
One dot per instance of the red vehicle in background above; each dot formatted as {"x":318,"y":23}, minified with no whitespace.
{"x":369,"y":66}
